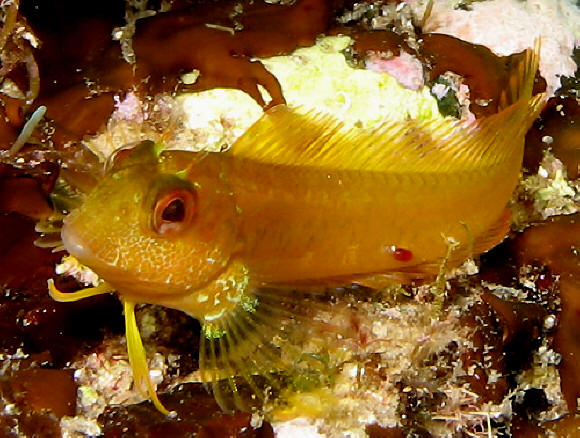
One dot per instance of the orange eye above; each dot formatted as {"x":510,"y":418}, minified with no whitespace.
{"x":174,"y":211}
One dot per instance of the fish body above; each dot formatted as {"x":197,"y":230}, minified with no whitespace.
{"x":308,"y":224}
{"x":299,"y":200}
{"x":299,"y":223}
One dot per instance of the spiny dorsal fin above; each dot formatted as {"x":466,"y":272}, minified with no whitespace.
{"x":518,"y":108}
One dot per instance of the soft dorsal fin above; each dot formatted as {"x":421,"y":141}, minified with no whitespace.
{"x":522,"y":77}
{"x":295,"y":137}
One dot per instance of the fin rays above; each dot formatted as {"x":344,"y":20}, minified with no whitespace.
{"x":437,"y":146}
{"x":137,"y":358}
{"x":240,"y":355}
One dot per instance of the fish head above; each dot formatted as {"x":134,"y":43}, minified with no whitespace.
{"x":158,"y":225}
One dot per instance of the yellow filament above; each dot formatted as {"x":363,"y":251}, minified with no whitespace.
{"x":69,"y":297}
{"x":135,"y":348}
{"x":137,"y":357}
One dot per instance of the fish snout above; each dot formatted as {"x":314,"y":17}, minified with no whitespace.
{"x":73,"y":243}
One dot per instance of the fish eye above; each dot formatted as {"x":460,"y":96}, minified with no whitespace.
{"x":174,"y":211}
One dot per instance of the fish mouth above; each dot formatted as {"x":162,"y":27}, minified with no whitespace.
{"x":79,"y":247}
{"x":75,"y":246}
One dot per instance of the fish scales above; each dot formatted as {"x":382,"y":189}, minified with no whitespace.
{"x":296,"y":222}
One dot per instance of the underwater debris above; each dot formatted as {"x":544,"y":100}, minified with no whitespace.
{"x":452,"y":96}
{"x":547,"y":193}
{"x":29,"y":126}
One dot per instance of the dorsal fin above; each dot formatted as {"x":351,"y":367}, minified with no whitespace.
{"x":295,"y":137}
{"x":286,"y":137}
{"x":518,"y":108}
{"x":292,"y":137}
{"x":522,"y":77}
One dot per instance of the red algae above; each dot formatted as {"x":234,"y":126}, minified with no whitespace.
{"x":376,"y":431}
{"x":555,"y":244}
{"x":224,"y":48}
{"x":198,"y":413}
{"x":484,"y":72}
{"x":45,"y":389}
{"x":566,"y":340}
{"x":30,"y":424}
{"x":21,"y":262}
{"x":29,"y":318}
{"x":78,"y":81}
{"x":23,"y":195}
{"x":566,"y":427}
{"x":522,"y":322}
{"x":24,"y":199}
{"x":366,"y":42}
{"x":10,"y":120}
{"x":32,"y":399}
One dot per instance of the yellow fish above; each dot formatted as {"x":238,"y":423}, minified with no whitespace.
{"x":299,"y":200}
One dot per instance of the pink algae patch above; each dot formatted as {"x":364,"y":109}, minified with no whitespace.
{"x":405,"y":68}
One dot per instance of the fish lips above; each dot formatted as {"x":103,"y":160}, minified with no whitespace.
{"x":74,"y":245}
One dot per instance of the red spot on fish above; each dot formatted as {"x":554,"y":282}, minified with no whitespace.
{"x":402,"y":254}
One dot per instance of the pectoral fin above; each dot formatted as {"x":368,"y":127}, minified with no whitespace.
{"x":243,"y":354}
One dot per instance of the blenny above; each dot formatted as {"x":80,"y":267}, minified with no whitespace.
{"x":299,"y":201}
